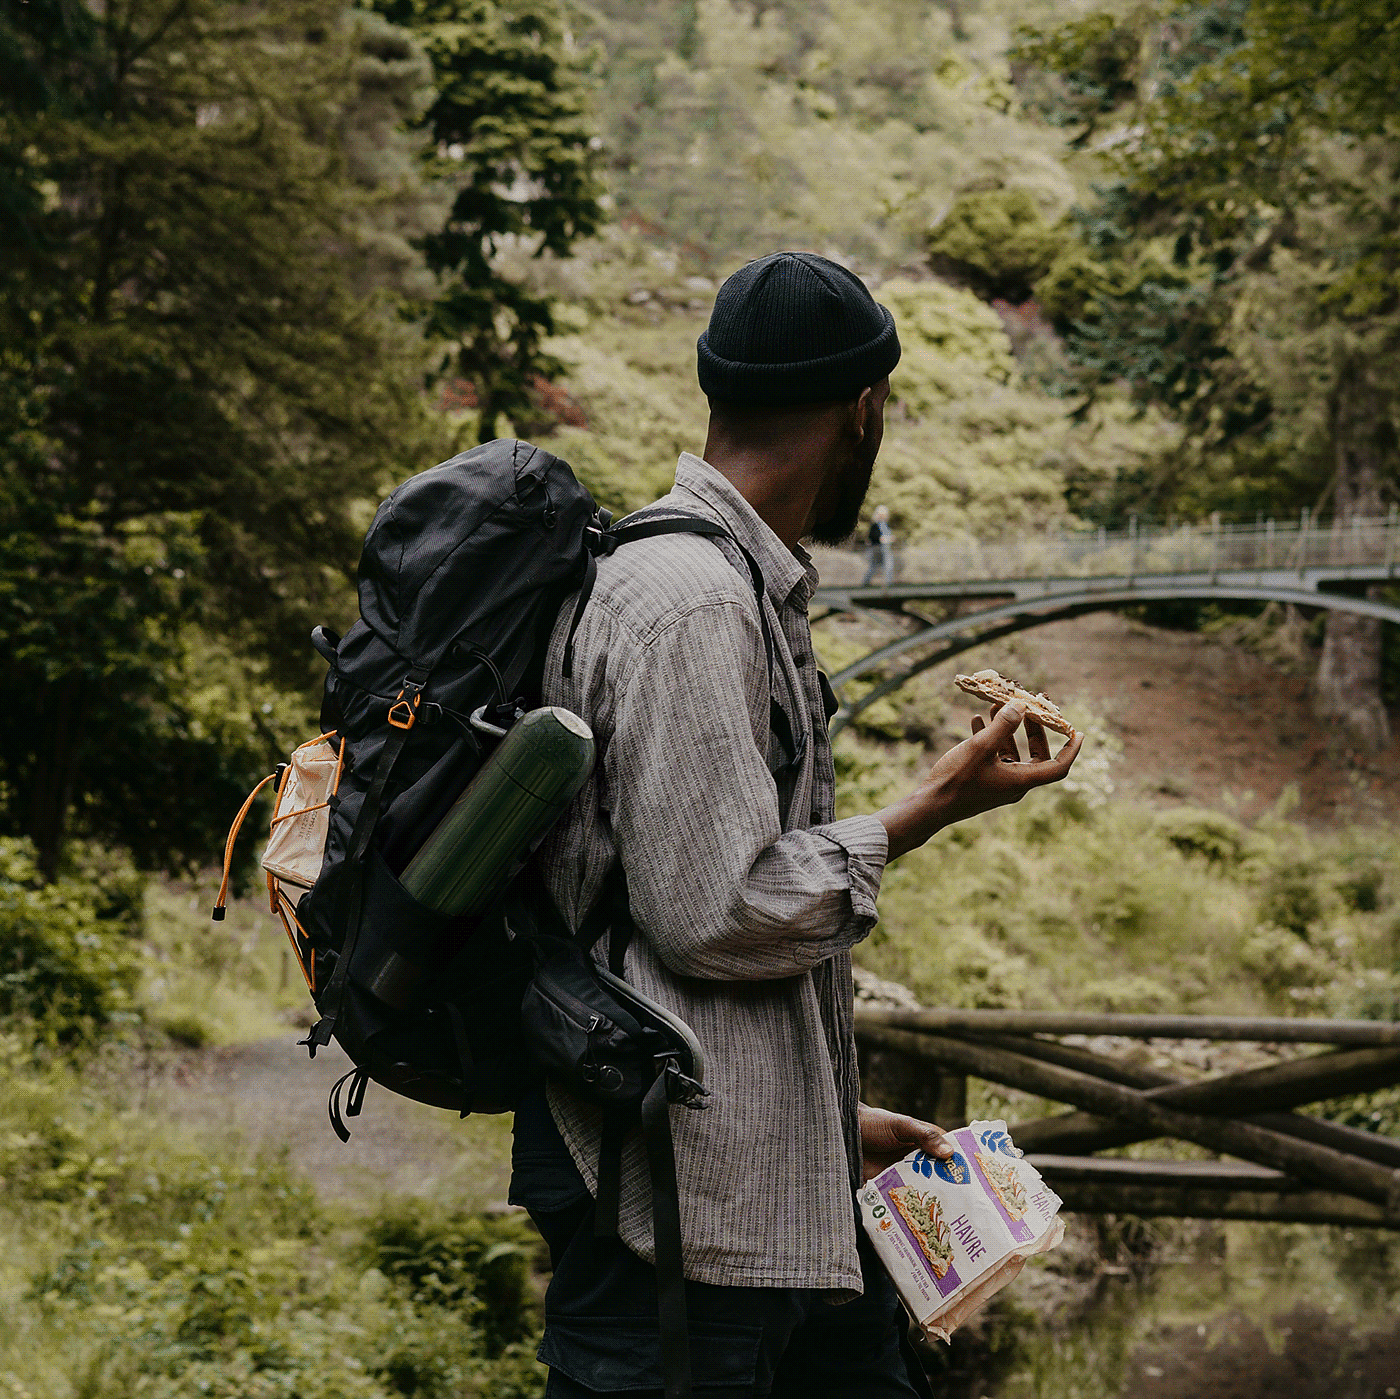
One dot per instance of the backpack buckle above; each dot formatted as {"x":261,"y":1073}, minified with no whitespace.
{"x":599,"y":541}
{"x":403,"y":713}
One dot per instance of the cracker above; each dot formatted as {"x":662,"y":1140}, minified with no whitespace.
{"x":997,"y":689}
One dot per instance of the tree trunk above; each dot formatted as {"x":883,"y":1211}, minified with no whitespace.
{"x":1349,"y":676}
{"x":53,"y":776}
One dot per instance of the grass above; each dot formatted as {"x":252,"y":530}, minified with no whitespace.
{"x":1076,"y":899}
{"x":213,"y":983}
{"x":142,"y":1255}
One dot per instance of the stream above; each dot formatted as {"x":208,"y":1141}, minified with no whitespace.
{"x":1190,"y":1310}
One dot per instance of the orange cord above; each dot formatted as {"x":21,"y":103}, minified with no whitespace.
{"x":232,"y":837}
{"x":307,"y":976}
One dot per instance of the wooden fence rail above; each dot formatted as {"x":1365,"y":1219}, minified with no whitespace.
{"x":1289,"y":1165}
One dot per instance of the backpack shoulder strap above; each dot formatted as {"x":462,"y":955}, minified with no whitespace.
{"x":642,"y":524}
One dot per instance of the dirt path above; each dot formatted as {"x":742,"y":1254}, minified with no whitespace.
{"x":274,"y":1098}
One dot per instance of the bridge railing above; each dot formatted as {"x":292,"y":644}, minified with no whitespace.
{"x":1271,"y":1161}
{"x":1214,"y":547}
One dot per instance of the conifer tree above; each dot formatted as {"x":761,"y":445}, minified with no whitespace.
{"x":511,"y":140}
{"x":198,"y":383}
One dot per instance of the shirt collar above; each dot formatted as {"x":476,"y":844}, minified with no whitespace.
{"x":788,"y":576}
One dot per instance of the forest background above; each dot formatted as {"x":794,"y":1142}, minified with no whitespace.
{"x":261,"y":262}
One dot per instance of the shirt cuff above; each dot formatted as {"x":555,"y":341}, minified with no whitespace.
{"x":867,"y":847}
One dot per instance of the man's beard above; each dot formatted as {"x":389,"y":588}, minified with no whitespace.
{"x":836,"y":527}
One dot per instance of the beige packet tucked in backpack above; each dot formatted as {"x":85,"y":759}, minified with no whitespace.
{"x":301,"y":819}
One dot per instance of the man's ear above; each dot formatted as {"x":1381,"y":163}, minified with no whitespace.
{"x":861,"y":413}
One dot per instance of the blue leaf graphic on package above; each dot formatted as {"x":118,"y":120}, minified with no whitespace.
{"x":996,"y":1140}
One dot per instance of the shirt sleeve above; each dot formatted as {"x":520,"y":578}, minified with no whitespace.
{"x":717,"y":886}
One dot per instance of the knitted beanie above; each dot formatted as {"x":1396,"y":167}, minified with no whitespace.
{"x":794,"y":328}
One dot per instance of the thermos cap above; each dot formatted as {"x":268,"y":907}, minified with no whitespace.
{"x":570,"y":721}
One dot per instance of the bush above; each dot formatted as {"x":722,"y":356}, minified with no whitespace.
{"x":1293,"y":897}
{"x":68,"y":959}
{"x":1210,"y":834}
{"x":472,"y":1263}
{"x":998,"y":243}
{"x":167,"y":1271}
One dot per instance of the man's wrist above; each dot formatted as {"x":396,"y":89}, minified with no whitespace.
{"x":913,"y":820}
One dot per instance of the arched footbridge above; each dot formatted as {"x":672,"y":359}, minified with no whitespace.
{"x":990,"y":591}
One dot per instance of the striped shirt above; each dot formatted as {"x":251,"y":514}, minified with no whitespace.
{"x":744,"y":921}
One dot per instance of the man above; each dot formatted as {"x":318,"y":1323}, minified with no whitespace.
{"x":880,"y":543}
{"x":746,"y":894}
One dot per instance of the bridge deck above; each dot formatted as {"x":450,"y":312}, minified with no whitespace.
{"x":1015,"y":603}
{"x":1197,"y":583}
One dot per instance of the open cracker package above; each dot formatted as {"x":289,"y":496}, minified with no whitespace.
{"x":953,"y":1232}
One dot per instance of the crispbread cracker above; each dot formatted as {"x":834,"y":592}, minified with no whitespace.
{"x":997,"y":689}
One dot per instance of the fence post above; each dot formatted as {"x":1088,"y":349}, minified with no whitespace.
{"x":1269,"y":544}
{"x":1390,"y":539}
{"x":1214,"y":546}
{"x":1132,"y":547}
{"x":1304,"y":521}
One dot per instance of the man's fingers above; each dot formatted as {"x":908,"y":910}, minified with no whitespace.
{"x":1066,"y":756}
{"x":1037,"y":774}
{"x":1036,"y":741}
{"x":927,"y":1136}
{"x":978,"y":724}
{"x":1005,"y":718}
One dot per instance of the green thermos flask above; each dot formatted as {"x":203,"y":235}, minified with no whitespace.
{"x":518,"y":793}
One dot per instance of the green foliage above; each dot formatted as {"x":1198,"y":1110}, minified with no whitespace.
{"x":143,"y":1265}
{"x":1238,"y":265}
{"x":69,"y":960}
{"x":471,"y":1263}
{"x":1096,"y":60}
{"x":1062,"y":902}
{"x":1211,"y":834}
{"x":199,"y":377}
{"x":972,"y":447}
{"x":998,"y":243}
{"x":511,"y":140}
{"x":734,"y":128}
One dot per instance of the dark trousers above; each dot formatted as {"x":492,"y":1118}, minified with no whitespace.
{"x":601,"y":1334}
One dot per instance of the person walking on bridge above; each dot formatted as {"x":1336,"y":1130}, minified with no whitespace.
{"x":746,"y":893}
{"x":880,"y":542}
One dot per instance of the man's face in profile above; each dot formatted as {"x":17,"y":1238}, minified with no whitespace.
{"x":840,"y":519}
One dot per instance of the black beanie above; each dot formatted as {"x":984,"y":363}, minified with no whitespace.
{"x":794,"y":328}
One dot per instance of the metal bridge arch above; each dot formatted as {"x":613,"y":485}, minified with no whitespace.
{"x":1040,"y":601}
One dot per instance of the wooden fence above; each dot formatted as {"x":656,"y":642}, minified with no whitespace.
{"x":1285,"y":1165}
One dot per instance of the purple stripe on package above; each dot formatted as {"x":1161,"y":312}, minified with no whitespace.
{"x":890,"y":1180}
{"x":1001,"y":1184}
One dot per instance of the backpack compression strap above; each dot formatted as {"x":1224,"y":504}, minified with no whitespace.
{"x":612,"y":914}
{"x":403,"y":714}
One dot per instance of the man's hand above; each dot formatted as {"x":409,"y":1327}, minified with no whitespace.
{"x":982,"y":772}
{"x":887,"y":1137}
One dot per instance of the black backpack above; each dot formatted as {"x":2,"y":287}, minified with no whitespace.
{"x":461,"y":581}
